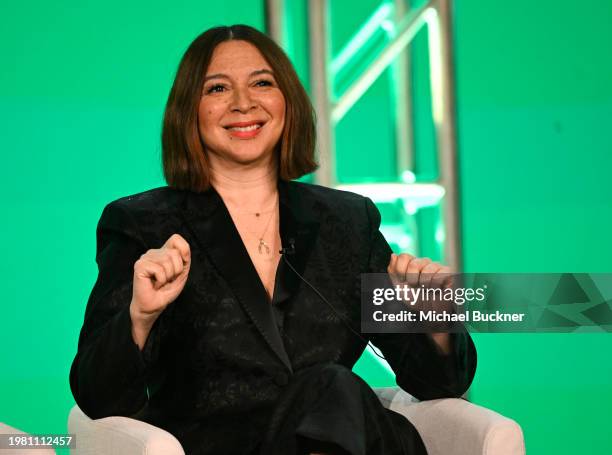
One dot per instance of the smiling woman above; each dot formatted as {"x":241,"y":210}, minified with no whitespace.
{"x":198,"y":325}
{"x":232,"y":77}
{"x":240,"y":100}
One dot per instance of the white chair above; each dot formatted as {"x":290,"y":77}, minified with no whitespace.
{"x":454,"y":426}
{"x":448,"y":426}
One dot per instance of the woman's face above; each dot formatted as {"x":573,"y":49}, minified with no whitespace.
{"x":242,"y":110}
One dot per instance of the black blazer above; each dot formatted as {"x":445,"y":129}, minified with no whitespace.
{"x":217,"y":358}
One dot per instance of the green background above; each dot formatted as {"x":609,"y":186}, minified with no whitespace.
{"x":82,"y":91}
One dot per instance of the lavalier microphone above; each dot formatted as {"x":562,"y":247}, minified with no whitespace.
{"x":289,"y":250}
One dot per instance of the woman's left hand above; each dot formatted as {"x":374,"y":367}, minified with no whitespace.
{"x":405,"y":269}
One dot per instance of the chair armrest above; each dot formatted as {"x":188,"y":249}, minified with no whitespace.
{"x":452,"y":425}
{"x":120,"y":436}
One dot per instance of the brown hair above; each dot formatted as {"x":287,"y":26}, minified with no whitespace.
{"x":184,"y":161}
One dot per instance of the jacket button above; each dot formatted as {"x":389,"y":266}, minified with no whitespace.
{"x":281,"y":379}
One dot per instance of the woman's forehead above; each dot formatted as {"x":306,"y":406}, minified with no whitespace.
{"x":239,"y":57}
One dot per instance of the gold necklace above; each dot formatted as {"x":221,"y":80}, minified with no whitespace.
{"x":262,"y":244}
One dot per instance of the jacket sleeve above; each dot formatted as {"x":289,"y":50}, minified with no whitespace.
{"x":421,"y":368}
{"x":109,"y":373}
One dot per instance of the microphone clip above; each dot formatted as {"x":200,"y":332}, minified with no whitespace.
{"x":289,"y":250}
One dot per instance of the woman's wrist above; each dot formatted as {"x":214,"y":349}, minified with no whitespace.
{"x":141,"y":325}
{"x":443,"y":341}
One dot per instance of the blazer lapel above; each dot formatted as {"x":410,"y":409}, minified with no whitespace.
{"x":214,"y":231}
{"x":298,"y":230}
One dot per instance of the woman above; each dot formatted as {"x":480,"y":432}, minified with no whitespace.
{"x":197,"y":326}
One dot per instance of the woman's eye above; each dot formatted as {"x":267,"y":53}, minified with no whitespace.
{"x":215,"y":88}
{"x":264,"y":83}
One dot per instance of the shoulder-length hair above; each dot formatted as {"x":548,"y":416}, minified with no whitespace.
{"x":184,"y":160}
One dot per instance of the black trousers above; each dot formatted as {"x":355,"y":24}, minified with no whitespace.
{"x":329,"y":409}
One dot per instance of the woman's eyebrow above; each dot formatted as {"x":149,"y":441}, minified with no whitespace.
{"x":258,"y":72}
{"x":225,"y":76}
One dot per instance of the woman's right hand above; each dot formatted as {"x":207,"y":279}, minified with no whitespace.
{"x":159,"y":277}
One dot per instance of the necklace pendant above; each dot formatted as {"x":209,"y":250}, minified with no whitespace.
{"x":263,"y":245}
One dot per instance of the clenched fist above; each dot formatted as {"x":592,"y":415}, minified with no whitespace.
{"x":405,"y":269}
{"x":159,"y":277}
{"x":413,"y":271}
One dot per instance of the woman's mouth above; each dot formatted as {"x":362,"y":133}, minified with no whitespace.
{"x":245,"y":132}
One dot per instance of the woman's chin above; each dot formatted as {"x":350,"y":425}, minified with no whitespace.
{"x":249,"y":157}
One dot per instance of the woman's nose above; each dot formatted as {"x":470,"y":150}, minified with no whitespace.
{"x":242,"y":100}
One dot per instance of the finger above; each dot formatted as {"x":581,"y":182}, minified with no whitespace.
{"x":178,"y":242}
{"x":401,"y":266}
{"x":428,"y":272}
{"x":177,"y":260}
{"x":442,"y":277}
{"x":150,"y":269}
{"x":414,"y":270}
{"x":163,"y":257}
{"x":392,"y":262}
{"x":392,"y":270}
{"x":168,"y":265}
{"x":171,"y":260}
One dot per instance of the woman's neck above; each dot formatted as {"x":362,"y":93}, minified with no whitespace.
{"x":245,"y":189}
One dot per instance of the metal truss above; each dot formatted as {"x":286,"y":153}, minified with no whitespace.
{"x":401,"y":24}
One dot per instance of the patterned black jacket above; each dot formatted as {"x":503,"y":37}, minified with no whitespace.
{"x":215,"y":360}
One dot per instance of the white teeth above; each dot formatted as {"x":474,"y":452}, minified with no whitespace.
{"x":245,"y":128}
